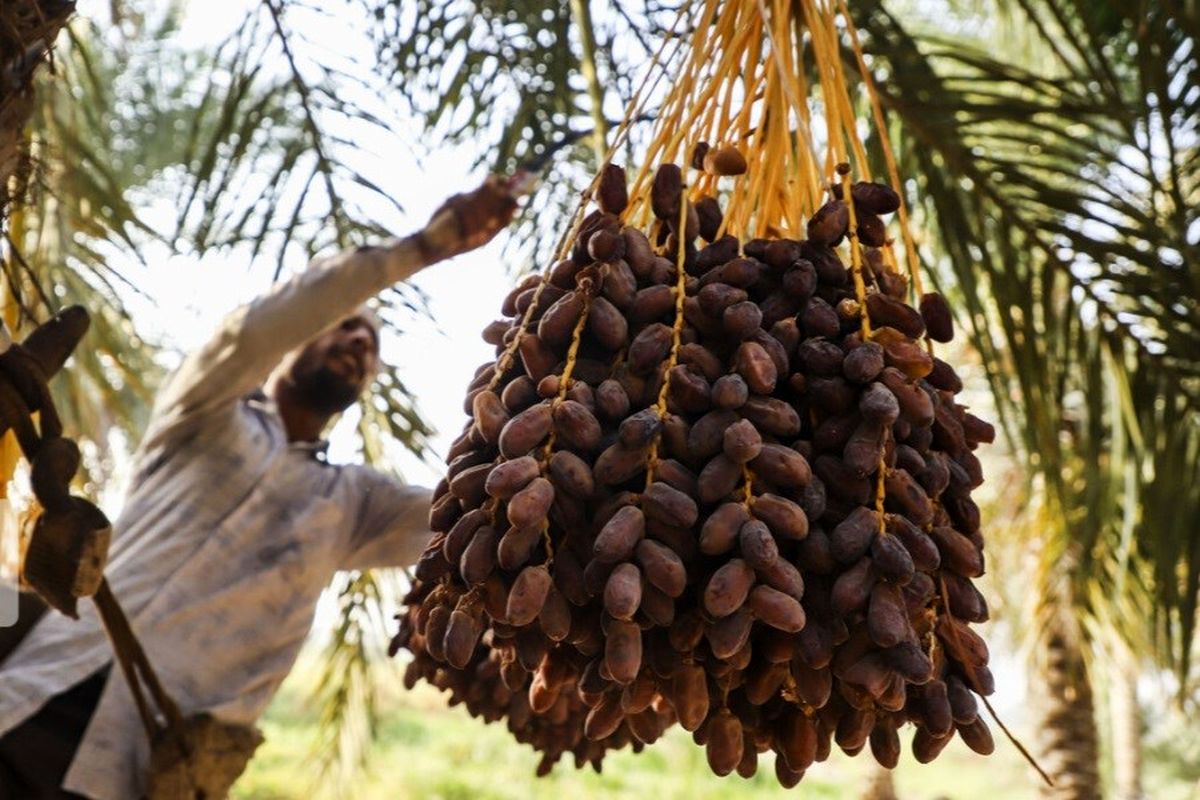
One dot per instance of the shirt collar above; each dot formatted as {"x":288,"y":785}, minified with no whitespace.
{"x":318,"y":448}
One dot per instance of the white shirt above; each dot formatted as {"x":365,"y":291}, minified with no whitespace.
{"x":227,"y":537}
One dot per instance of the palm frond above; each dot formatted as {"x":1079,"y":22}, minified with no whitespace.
{"x":346,"y":692}
{"x":74,"y":220}
{"x":1064,"y":193}
{"x":505,"y":80}
{"x":28,"y":29}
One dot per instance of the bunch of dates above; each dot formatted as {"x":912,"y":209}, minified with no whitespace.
{"x":715,"y":499}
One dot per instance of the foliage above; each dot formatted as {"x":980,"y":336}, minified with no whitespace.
{"x":74,"y":217}
{"x":1062,"y":192}
{"x":347,"y":690}
{"x":505,"y":79}
{"x":223,"y":151}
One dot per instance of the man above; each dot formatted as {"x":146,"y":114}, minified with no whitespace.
{"x":234,"y":523}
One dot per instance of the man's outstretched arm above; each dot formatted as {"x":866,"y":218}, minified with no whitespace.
{"x":253,"y":339}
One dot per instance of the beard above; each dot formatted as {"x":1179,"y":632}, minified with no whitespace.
{"x":324,"y":391}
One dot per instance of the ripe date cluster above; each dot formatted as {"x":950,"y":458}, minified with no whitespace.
{"x":741,"y":510}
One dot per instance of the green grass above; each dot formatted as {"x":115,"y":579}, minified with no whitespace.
{"x":427,"y":751}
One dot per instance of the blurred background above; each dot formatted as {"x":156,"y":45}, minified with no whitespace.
{"x":179,"y":157}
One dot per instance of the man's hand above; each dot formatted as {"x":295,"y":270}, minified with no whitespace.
{"x":470,"y":220}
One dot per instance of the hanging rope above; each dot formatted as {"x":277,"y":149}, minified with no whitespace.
{"x":136,"y":666}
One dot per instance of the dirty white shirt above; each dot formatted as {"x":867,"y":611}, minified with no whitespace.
{"x":227,"y":537}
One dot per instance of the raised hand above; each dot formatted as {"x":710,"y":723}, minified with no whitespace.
{"x":470,"y":220}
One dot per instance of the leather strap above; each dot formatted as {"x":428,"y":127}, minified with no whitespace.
{"x":137,"y":669}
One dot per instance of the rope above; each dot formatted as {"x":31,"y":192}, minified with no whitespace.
{"x":133,"y":661}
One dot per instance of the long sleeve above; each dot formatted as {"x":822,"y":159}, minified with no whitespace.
{"x":393,"y":523}
{"x":254,"y":338}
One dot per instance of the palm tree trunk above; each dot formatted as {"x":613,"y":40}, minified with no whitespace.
{"x":1126,"y":728}
{"x":879,"y":785}
{"x":1067,"y":732}
{"x":14,"y":111}
{"x":27,"y":30}
{"x":581,"y":11}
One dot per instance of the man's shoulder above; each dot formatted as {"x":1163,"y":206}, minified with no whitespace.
{"x":367,"y":478}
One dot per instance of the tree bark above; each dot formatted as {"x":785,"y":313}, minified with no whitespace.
{"x":1067,"y":740}
{"x":27,"y":31}
{"x":1126,"y":727}
{"x":879,"y":785}
{"x":582,"y":13}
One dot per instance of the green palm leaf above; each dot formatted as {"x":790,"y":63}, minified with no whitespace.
{"x":1063,"y":195}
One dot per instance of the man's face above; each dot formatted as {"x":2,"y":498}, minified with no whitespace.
{"x":333,"y":369}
